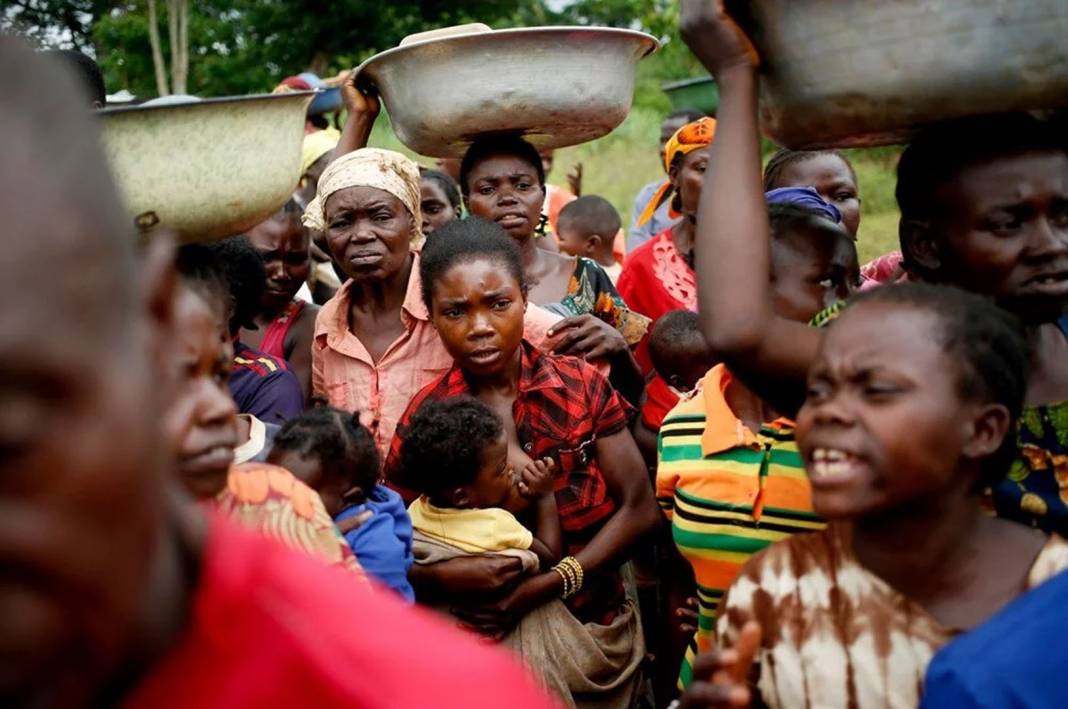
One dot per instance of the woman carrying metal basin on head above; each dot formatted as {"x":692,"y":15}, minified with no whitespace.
{"x":499,"y":125}
{"x":374,"y":346}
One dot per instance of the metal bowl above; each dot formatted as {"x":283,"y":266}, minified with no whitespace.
{"x":868,"y":73}
{"x":207,"y":169}
{"x":556,"y":86}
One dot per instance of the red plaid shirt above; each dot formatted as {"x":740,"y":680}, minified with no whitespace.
{"x":563,"y":406}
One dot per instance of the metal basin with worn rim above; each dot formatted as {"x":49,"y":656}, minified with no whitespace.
{"x":868,"y":73}
{"x":209,"y":169}
{"x":556,"y":86}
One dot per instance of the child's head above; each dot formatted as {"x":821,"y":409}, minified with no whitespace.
{"x":439,"y":199}
{"x":912,"y":400}
{"x":331,"y":452}
{"x":284,"y":246}
{"x":829,"y":172}
{"x":200,"y":422}
{"x":679,"y":351}
{"x":473,"y":286}
{"x":813,"y":260}
{"x":984,"y":206}
{"x":587,"y":227}
{"x":455,"y":453}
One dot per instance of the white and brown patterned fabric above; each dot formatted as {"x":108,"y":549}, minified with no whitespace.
{"x":836,"y":635}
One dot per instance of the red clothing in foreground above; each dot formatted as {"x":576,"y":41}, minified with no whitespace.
{"x":273,"y":628}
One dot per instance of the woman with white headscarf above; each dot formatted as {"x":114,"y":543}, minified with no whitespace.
{"x":374,"y":345}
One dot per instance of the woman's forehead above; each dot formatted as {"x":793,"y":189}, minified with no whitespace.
{"x":502,"y":165}
{"x":479,"y":273}
{"x":823,"y":166}
{"x":360,"y":197}
{"x":1010,"y":179}
{"x":875,"y":333}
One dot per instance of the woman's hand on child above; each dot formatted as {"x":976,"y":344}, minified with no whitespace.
{"x":497,"y":619}
{"x":686,"y":616}
{"x":536,"y":480}
{"x":478,"y":574}
{"x":586,"y":336}
{"x":714,"y":38}
{"x":721,"y":677}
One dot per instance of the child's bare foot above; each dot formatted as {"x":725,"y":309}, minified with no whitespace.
{"x":536,"y":480}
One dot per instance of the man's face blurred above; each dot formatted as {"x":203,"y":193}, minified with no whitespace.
{"x":80,"y":491}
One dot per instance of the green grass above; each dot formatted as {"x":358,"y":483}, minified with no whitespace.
{"x":618,"y":165}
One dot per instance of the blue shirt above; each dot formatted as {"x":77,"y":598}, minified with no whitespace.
{"x":638,"y":235}
{"x":383,"y":544}
{"x":1012,"y":660}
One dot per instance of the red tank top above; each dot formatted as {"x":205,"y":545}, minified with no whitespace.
{"x":274,"y":336}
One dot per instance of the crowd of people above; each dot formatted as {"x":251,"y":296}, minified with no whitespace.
{"x":449,"y":436}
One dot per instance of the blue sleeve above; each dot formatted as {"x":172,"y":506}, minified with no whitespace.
{"x":277,"y":399}
{"x":945,"y":689}
{"x":382,"y":554}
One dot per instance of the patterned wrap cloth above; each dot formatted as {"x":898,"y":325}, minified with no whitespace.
{"x":272,"y":501}
{"x":368,"y":167}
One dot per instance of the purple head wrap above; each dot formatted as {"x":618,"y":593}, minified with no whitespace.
{"x":807,"y":198}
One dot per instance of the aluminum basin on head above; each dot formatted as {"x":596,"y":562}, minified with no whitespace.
{"x":556,"y":86}
{"x":865,"y":73}
{"x":209,"y":169}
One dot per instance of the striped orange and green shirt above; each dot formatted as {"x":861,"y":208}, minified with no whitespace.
{"x":728,"y":493}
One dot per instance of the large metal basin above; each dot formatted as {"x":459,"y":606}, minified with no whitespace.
{"x":209,"y":169}
{"x":556,"y":86}
{"x":849,"y":73}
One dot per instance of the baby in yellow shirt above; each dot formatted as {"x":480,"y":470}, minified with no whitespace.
{"x":455,"y":453}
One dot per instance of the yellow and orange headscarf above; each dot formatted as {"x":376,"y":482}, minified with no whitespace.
{"x":687,"y":139}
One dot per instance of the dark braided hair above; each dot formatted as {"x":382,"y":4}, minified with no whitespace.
{"x":784,"y":158}
{"x":989,"y":344}
{"x":443,"y":444}
{"x":445,"y":182}
{"x":464,"y":241}
{"x":495,"y":145}
{"x":939,"y":153}
{"x":344,"y":447}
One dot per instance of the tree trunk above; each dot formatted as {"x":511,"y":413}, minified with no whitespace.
{"x":157,"y":53}
{"x":172,"y":33}
{"x":181,"y":69}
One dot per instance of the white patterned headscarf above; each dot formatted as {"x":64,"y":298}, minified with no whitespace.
{"x":369,"y":167}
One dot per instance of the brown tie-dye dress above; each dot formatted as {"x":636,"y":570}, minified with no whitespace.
{"x":836,"y":635}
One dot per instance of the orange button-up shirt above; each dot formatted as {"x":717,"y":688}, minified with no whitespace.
{"x":345,"y":374}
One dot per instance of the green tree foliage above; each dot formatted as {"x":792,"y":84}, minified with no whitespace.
{"x":245,"y":46}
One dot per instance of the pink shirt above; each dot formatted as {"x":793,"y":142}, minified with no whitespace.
{"x":344,"y":373}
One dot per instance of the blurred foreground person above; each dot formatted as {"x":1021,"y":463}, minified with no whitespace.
{"x":115,"y":589}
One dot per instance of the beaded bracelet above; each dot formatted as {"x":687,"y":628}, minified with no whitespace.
{"x":571,"y":572}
